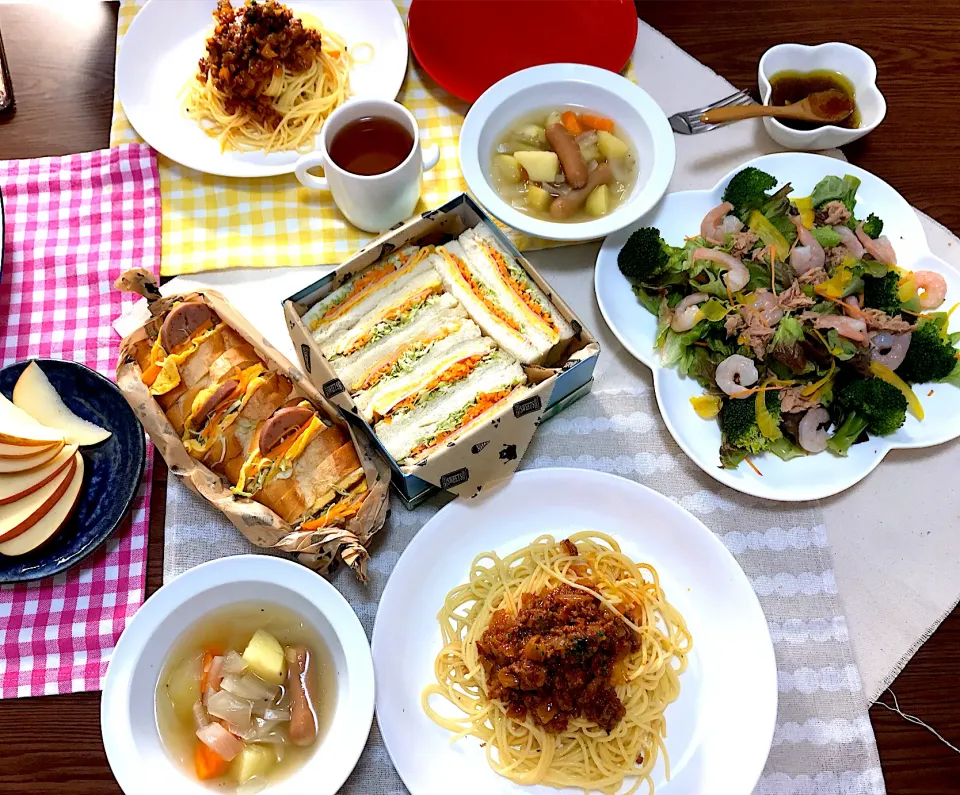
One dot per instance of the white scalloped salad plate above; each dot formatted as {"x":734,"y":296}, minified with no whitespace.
{"x":815,"y":476}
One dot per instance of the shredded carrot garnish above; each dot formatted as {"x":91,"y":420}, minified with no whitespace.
{"x":729,"y":294}
{"x":929,"y":393}
{"x":754,"y":390}
{"x":915,"y":314}
{"x":851,"y":309}
{"x":753,"y":466}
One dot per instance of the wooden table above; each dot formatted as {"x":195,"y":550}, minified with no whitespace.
{"x":62,"y":64}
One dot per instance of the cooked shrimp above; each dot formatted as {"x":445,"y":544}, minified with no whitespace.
{"x":809,"y":255}
{"x":718,"y":223}
{"x":812,"y":433}
{"x":889,"y":349}
{"x":735,"y":374}
{"x":737,"y":274}
{"x":853,"y":328}
{"x":880,"y":249}
{"x":767,"y":306}
{"x":849,"y":240}
{"x":685,"y":313}
{"x":932,"y":287}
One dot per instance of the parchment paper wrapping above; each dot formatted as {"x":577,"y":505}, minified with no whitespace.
{"x":319,"y":549}
{"x":487,"y":453}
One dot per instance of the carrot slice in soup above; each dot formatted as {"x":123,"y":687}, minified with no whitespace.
{"x":571,"y":122}
{"x":207,"y":763}
{"x":596,"y":122}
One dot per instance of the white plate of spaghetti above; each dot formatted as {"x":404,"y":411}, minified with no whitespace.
{"x":241,"y":90}
{"x":572,"y":629}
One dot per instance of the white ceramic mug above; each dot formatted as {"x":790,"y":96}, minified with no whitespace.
{"x":372,"y":203}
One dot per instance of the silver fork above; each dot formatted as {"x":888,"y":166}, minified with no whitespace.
{"x":688,"y":122}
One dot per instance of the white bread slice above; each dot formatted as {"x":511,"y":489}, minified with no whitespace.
{"x":402,"y":432}
{"x":393,"y":261}
{"x":378,"y":401}
{"x":520,"y":338}
{"x":436,"y":312}
{"x":513,"y":284}
{"x":387,"y":295}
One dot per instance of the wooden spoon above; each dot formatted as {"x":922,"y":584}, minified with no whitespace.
{"x":821,"y":107}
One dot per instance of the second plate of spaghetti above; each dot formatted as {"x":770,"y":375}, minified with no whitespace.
{"x":575,"y":630}
{"x":242,"y":89}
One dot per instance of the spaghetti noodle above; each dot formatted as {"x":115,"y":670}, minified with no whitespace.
{"x":539,"y":613}
{"x":268,"y":80}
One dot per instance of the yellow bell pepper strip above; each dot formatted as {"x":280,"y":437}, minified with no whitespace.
{"x":765,"y":422}
{"x":769,"y":234}
{"x":804,"y":206}
{"x":884,"y":373}
{"x":706,"y":406}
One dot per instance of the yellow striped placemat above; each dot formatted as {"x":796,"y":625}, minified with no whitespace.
{"x":212,"y":222}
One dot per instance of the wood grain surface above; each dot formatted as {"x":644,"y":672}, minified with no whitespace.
{"x":61,"y":60}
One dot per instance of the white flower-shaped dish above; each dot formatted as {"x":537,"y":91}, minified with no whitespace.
{"x":815,"y":476}
{"x":836,"y":56}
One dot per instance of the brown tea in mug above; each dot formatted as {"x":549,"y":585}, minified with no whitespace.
{"x":371,"y":145}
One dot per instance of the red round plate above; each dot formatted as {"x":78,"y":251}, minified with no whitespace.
{"x":468,"y":45}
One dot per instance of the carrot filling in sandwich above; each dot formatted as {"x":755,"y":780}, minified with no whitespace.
{"x":481,"y":292}
{"x":455,"y":372}
{"x":392,"y":319}
{"x":343,"y":509}
{"x":483,"y":403}
{"x":519,"y":287}
{"x":358,"y":286}
{"x":405,"y":356}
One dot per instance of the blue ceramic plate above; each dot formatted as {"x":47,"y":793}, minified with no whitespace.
{"x":112,"y":469}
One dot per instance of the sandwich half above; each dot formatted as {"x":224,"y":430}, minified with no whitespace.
{"x":456,"y":400}
{"x":366,"y":364}
{"x":516,"y":289}
{"x":420,"y":366}
{"x":498,"y":314}
{"x":387,"y":300}
{"x":356,"y":288}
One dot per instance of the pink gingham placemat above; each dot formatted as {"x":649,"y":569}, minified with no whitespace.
{"x":73,"y":224}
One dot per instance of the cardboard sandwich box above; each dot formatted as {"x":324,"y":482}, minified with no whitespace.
{"x":482,"y":454}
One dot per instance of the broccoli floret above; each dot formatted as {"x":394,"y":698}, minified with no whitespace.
{"x":873,"y":226}
{"x":868,"y":404}
{"x":645,"y":255}
{"x":929,"y":357}
{"x":882,"y":293}
{"x":747,"y":191}
{"x":738,"y":422}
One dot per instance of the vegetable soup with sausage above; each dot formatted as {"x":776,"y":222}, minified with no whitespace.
{"x":567,"y":165}
{"x":245,"y":697}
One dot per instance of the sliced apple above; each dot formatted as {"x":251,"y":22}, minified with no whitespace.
{"x":34,"y":393}
{"x":54,"y":518}
{"x":18,"y":427}
{"x":18,"y":517}
{"x":9,"y":466}
{"x":22,"y":450}
{"x":19,"y":484}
